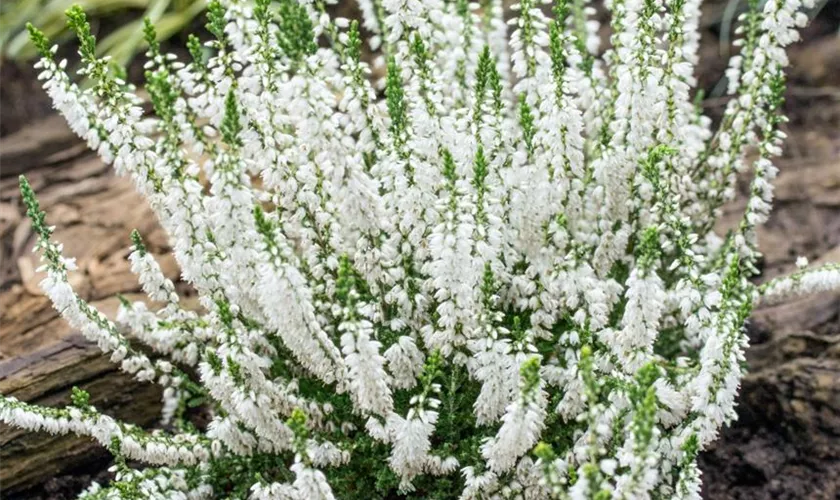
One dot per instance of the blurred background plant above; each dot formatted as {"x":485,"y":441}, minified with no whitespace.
{"x":126,"y":16}
{"x":725,"y":19}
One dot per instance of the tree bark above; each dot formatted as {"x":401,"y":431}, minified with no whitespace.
{"x":45,"y":377}
{"x":41,"y":357}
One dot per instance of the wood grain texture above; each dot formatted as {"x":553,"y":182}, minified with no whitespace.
{"x":41,"y":357}
{"x":45,"y":377}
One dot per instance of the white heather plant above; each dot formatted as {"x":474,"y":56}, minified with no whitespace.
{"x":499,"y":280}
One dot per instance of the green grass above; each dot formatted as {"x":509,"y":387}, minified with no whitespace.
{"x":122,"y":44}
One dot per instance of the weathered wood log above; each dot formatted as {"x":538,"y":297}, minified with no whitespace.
{"x":49,"y":142}
{"x":786,"y":442}
{"x":45,"y":377}
{"x":41,"y":357}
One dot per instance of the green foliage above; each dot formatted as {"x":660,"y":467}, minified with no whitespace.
{"x":122,"y":43}
{"x":395,"y":96}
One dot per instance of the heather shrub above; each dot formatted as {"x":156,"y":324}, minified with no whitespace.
{"x":490,"y":273}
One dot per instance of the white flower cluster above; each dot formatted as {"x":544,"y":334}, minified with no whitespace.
{"x":491,"y":274}
{"x":803,"y":282}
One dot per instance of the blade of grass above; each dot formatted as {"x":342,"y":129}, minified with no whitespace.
{"x":122,"y":43}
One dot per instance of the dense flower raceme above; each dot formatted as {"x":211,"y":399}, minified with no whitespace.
{"x":490,"y":274}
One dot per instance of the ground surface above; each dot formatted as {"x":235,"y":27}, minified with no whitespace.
{"x":786,"y":444}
